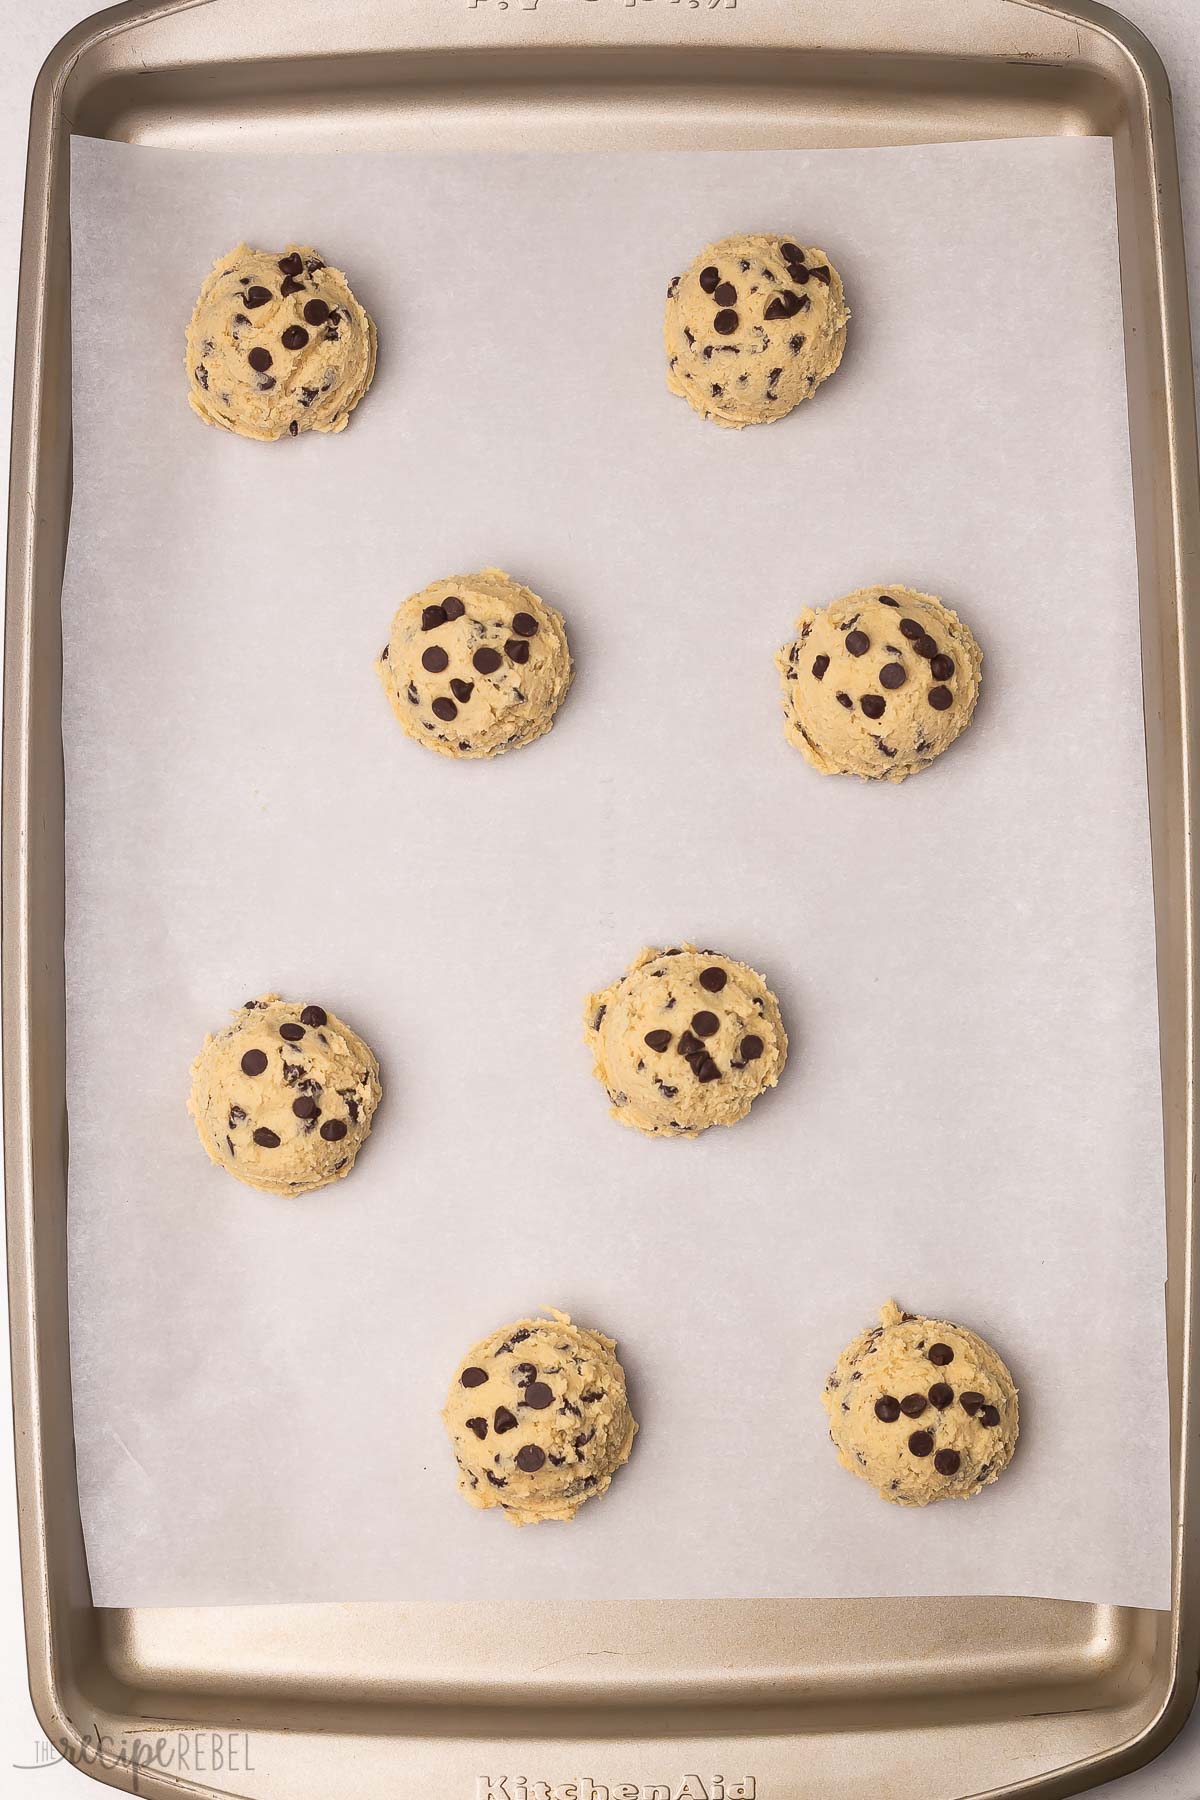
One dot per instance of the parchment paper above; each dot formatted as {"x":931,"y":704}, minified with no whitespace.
{"x":970,"y":1120}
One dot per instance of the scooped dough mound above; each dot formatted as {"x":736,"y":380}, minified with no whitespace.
{"x":753,"y":327}
{"x":539,"y":1420}
{"x":685,"y":1039}
{"x":921,"y":1409}
{"x":475,"y":664}
{"x":277,"y":345}
{"x":879,"y":683}
{"x":283,"y":1097}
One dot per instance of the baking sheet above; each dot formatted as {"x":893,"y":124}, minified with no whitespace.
{"x":971,"y":1116}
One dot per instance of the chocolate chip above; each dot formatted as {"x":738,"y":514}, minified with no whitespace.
{"x":293,"y":1033}
{"x":913,"y":1405}
{"x":725,"y":294}
{"x":970,"y":1402}
{"x":941,"y":1354}
{"x":942,"y":667}
{"x":726,"y":322}
{"x":314,"y":1015}
{"x":941,"y":1395}
{"x":713,"y":980}
{"x":820,"y":664}
{"x":316,"y":312}
{"x":990,"y":1415}
{"x":264,"y":387}
{"x":333,"y":1130}
{"x":921,"y":1443}
{"x":259,"y":359}
{"x":857,"y":643}
{"x":487,"y":661}
{"x":709,"y":278}
{"x":689,"y":1045}
{"x":750,"y":1048}
{"x":434,"y":659}
{"x":503,"y":1420}
{"x":292,"y":264}
{"x":266,"y":1138}
{"x":925,"y":645}
{"x":940,"y":698}
{"x":462,"y":690}
{"x":453,"y":607}
{"x":821,"y":274}
{"x":873,"y":705}
{"x":305,"y":1107}
{"x":517,"y":650}
{"x":478,"y":1426}
{"x":294,"y":338}
{"x":537,"y":1394}
{"x":254,"y":1062}
{"x":496,"y":1480}
{"x":892,"y":675}
{"x":524,"y":624}
{"x":256,"y":296}
{"x":844,"y":700}
{"x":444,"y":709}
{"x":887,"y":1408}
{"x":705,"y":1024}
{"x":473,"y":1377}
{"x":791,"y":253}
{"x":432,"y":617}
{"x":947,"y":1462}
{"x":530,"y":1458}
{"x":202,"y":376}
{"x":784,"y":305}
{"x":525,"y":1373}
{"x":886,"y":600}
{"x":705,"y":1069}
{"x":658,"y":1040}
{"x":911,"y":628}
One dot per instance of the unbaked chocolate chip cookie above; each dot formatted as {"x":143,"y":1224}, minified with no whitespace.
{"x":283,"y":1098}
{"x":685,"y":1039}
{"x":921,"y":1409}
{"x":539,"y":1419}
{"x":754,"y":327}
{"x":878,"y":684}
{"x":476,"y":664}
{"x":277,"y":345}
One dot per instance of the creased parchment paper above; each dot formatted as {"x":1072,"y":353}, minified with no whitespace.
{"x":970,"y":1118}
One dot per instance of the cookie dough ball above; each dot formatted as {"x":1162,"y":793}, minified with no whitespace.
{"x":878,"y":684}
{"x":283,"y":1098}
{"x":754,"y":327}
{"x":278,"y":345}
{"x":921,"y":1409}
{"x":476,"y":664}
{"x":539,"y":1419}
{"x":685,"y":1039}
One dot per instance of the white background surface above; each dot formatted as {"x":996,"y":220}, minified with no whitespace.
{"x":966,"y":963}
{"x":1173,"y":24}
